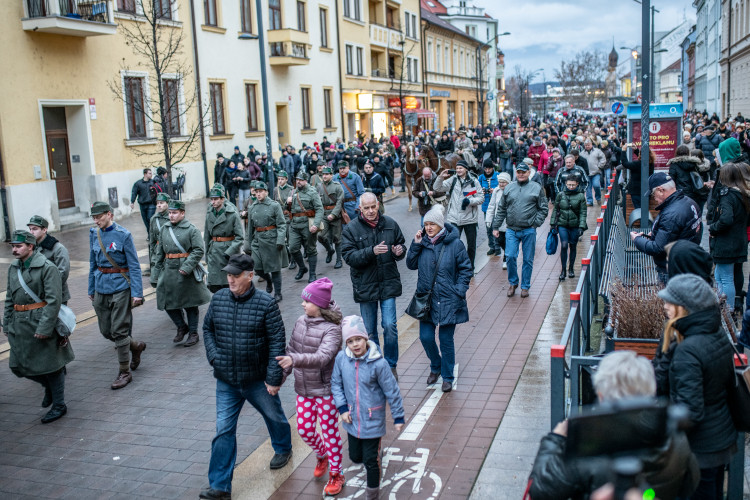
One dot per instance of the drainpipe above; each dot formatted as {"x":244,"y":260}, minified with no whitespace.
{"x":200,"y":98}
{"x":729,"y":61}
{"x":4,"y":199}
{"x":341,"y":83}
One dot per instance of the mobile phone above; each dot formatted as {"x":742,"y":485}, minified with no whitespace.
{"x":452,"y":172}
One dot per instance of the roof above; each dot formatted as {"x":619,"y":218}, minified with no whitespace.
{"x":434,"y":6}
{"x":675,"y":66}
{"x":435,"y":20}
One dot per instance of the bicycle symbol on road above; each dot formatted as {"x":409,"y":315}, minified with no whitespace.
{"x":414,"y":473}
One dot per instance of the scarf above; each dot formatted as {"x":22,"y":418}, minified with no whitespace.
{"x":371,"y":223}
{"x":437,"y":236}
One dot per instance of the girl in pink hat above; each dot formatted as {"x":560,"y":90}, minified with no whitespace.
{"x":311,"y":353}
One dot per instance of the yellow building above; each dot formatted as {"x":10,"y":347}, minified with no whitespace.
{"x":452,"y":74}
{"x":379,"y":43}
{"x":66,"y":139}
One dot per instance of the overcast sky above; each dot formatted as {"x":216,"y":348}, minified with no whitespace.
{"x":544,"y":32}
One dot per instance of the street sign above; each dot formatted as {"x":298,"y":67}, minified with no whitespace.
{"x":617,"y":107}
{"x":490,"y":96}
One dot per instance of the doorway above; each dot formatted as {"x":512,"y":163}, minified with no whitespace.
{"x":282,"y":123}
{"x":58,"y":154}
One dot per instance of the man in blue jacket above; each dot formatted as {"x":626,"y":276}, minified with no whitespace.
{"x":353,"y":188}
{"x":488,"y":181}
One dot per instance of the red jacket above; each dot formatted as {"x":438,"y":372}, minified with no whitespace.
{"x":394,"y":140}
{"x":538,"y":154}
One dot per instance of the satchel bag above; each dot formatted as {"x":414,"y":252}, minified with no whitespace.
{"x":66,"y":318}
{"x":421,"y":303}
{"x":696,"y":180}
{"x":199,"y":272}
{"x":739,"y":395}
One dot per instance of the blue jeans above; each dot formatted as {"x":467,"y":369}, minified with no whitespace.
{"x":229,"y":402}
{"x":514,"y":239}
{"x":147,"y":211}
{"x":724,"y":275}
{"x":636,"y":199}
{"x":506,"y":165}
{"x":439,"y":364}
{"x":593,"y":183}
{"x":369,"y":312}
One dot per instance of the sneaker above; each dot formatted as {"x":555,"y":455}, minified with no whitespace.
{"x":321,"y":467}
{"x":491,"y":252}
{"x":279,"y":460}
{"x":335,"y":484}
{"x":505,"y":265}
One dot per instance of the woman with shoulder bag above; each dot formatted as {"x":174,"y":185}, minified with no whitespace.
{"x":569,"y":217}
{"x":444,"y":273}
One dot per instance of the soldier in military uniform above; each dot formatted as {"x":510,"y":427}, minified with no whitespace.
{"x":317,"y":177}
{"x":53,"y":250}
{"x":177,"y":260}
{"x":223,"y":237}
{"x":307,"y":216}
{"x":160,"y":218}
{"x":30,"y":325}
{"x":281,"y":194}
{"x":115,"y":287}
{"x":265,"y":238}
{"x":332,"y":196}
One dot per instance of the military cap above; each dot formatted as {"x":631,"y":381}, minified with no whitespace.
{"x":176,"y":205}
{"x":326,"y":170}
{"x":39,"y":221}
{"x":217,"y":191}
{"x":21,"y":236}
{"x":302,"y":175}
{"x":343,"y":164}
{"x":163,"y":197}
{"x":261,"y":185}
{"x":283,"y":174}
{"x":100,"y":207}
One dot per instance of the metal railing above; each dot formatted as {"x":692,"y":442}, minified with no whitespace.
{"x":87,"y":10}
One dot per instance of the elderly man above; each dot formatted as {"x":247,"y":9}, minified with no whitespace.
{"x":372,"y":246}
{"x":353,"y":188}
{"x":53,"y":250}
{"x":596,"y":162}
{"x":570,"y":169}
{"x":244,"y":333}
{"x":29,"y":321}
{"x":222,"y":236}
{"x":678,"y":219}
{"x":426,"y":197}
{"x":523,"y":208}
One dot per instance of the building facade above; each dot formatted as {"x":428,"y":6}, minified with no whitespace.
{"x":79,"y":106}
{"x":735,"y":58}
{"x":688,"y":69}
{"x":667,"y":54}
{"x":707,"y":53}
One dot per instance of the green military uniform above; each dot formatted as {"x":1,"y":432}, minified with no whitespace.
{"x":157,"y":222}
{"x":305,"y":204}
{"x":223,"y":238}
{"x":281,"y":194}
{"x":265,"y":239}
{"x":332,"y":196}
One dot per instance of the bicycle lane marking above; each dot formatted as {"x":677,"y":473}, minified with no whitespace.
{"x":415,"y":427}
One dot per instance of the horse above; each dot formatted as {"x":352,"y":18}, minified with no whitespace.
{"x":414,"y":164}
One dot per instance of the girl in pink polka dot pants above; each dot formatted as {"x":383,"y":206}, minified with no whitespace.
{"x":311,"y":354}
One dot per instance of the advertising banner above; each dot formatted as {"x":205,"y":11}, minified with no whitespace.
{"x":665,"y":130}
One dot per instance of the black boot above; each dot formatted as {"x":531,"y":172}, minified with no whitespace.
{"x":338,"y":257}
{"x":301,"y":264}
{"x":269,"y":283}
{"x":276,"y":277}
{"x":292,"y":262}
{"x":313,"y":263}
{"x":571,"y":272}
{"x":329,"y":251}
{"x":562,"y":274}
{"x":57,"y":388}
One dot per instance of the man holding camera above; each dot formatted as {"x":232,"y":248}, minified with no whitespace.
{"x":488,"y":181}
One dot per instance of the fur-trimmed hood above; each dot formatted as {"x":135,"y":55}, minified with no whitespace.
{"x":685,"y":159}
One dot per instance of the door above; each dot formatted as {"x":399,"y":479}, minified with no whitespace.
{"x":59,"y":163}
{"x":282,"y":123}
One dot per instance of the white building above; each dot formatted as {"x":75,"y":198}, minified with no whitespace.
{"x":707,"y":53}
{"x":671,"y":42}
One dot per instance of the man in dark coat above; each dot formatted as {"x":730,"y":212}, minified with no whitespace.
{"x":244,"y":333}
{"x":237,"y":157}
{"x":142,"y":192}
{"x":219,"y":167}
{"x":53,"y":250}
{"x":372,"y":246}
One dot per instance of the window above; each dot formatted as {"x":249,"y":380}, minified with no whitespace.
{"x":209,"y":8}
{"x":410,"y":27}
{"x":429,"y":56}
{"x":216,"y":91}
{"x":246,"y":14}
{"x":360,"y":61}
{"x":274,"y":14}
{"x":347,"y":8}
{"x":414,"y":32}
{"x":301,"y":22}
{"x":134,"y":104}
{"x":353,"y":9}
{"x":306,"y":108}
{"x":407,"y":24}
{"x":357,"y":10}
{"x":445,"y":60}
{"x":412,"y":69}
{"x":349,"y":60}
{"x":252,"y":106}
{"x":163,"y":9}
{"x":171,"y":113}
{"x":323,"y":27}
{"x":327,"y":107}
{"x":126,"y":6}
{"x":438,"y":59}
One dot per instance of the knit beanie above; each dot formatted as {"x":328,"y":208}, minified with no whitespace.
{"x":318,"y":292}
{"x":504,"y":176}
{"x":689,"y":291}
{"x":353,"y":326}
{"x":436,"y":215}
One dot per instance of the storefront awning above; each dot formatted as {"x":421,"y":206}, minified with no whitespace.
{"x":421,"y":113}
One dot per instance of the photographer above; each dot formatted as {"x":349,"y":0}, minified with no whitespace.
{"x":671,"y":469}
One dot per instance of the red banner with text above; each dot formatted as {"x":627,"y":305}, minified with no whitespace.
{"x":664,"y":137}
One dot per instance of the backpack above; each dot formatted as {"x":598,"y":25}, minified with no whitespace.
{"x":154,"y":191}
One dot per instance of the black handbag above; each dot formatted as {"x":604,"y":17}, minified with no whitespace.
{"x":696,"y":180}
{"x":739,"y":396}
{"x":421,"y":303}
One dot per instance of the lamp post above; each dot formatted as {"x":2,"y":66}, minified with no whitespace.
{"x":480,"y":90}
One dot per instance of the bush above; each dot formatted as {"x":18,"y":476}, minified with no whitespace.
{"x":636,"y":310}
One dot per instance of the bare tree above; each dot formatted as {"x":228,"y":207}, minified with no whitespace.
{"x":158,"y":46}
{"x":517,"y":89}
{"x":581,"y":75}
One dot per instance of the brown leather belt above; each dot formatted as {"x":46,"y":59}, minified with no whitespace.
{"x":306,"y":213}
{"x":264,"y":228}
{"x":222,"y":238}
{"x":346,"y":200}
{"x":329,"y":207}
{"x":178,"y":255}
{"x":112,"y":270}
{"x":29,"y":307}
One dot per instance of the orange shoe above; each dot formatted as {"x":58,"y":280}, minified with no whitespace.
{"x":321,"y":467}
{"x":335,"y":484}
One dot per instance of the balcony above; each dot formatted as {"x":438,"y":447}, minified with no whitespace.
{"x":288,"y":47}
{"x":384,"y":36}
{"x":69,"y":17}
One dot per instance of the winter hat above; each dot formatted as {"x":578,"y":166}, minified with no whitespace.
{"x":353,"y":326}
{"x":504,"y":176}
{"x":689,"y":291}
{"x":319,"y":293}
{"x":685,"y":257}
{"x":436,"y":215}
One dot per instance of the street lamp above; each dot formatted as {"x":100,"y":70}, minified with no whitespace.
{"x":633,"y":78}
{"x":480,"y":90}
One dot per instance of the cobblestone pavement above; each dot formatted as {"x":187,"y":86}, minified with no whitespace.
{"x":151,"y":439}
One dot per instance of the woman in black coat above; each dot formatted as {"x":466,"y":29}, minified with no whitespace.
{"x":634,"y":184}
{"x":681,"y":168}
{"x":700,"y":373}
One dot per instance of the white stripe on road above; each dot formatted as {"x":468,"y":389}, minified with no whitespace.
{"x":415,"y":427}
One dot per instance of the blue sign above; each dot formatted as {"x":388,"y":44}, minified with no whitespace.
{"x":656,"y":111}
{"x":617,"y":107}
{"x":490,"y":96}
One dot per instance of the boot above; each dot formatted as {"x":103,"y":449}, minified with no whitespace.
{"x":269,"y":283}
{"x":329,"y":251}
{"x":276,"y":277}
{"x":292,"y":262}
{"x":136,"y":348}
{"x":562,"y":275}
{"x":338,"y":257}
{"x":181,"y":332}
{"x":372,"y":493}
{"x":313,"y":263}
{"x":192,"y":339}
{"x":301,"y":264}
{"x":571,"y":272}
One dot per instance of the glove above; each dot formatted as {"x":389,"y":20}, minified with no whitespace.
{"x":465,"y":203}
{"x":279,"y":247}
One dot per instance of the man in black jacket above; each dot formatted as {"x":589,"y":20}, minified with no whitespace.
{"x":142,"y":192}
{"x":243,"y":333}
{"x":372,"y":245}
